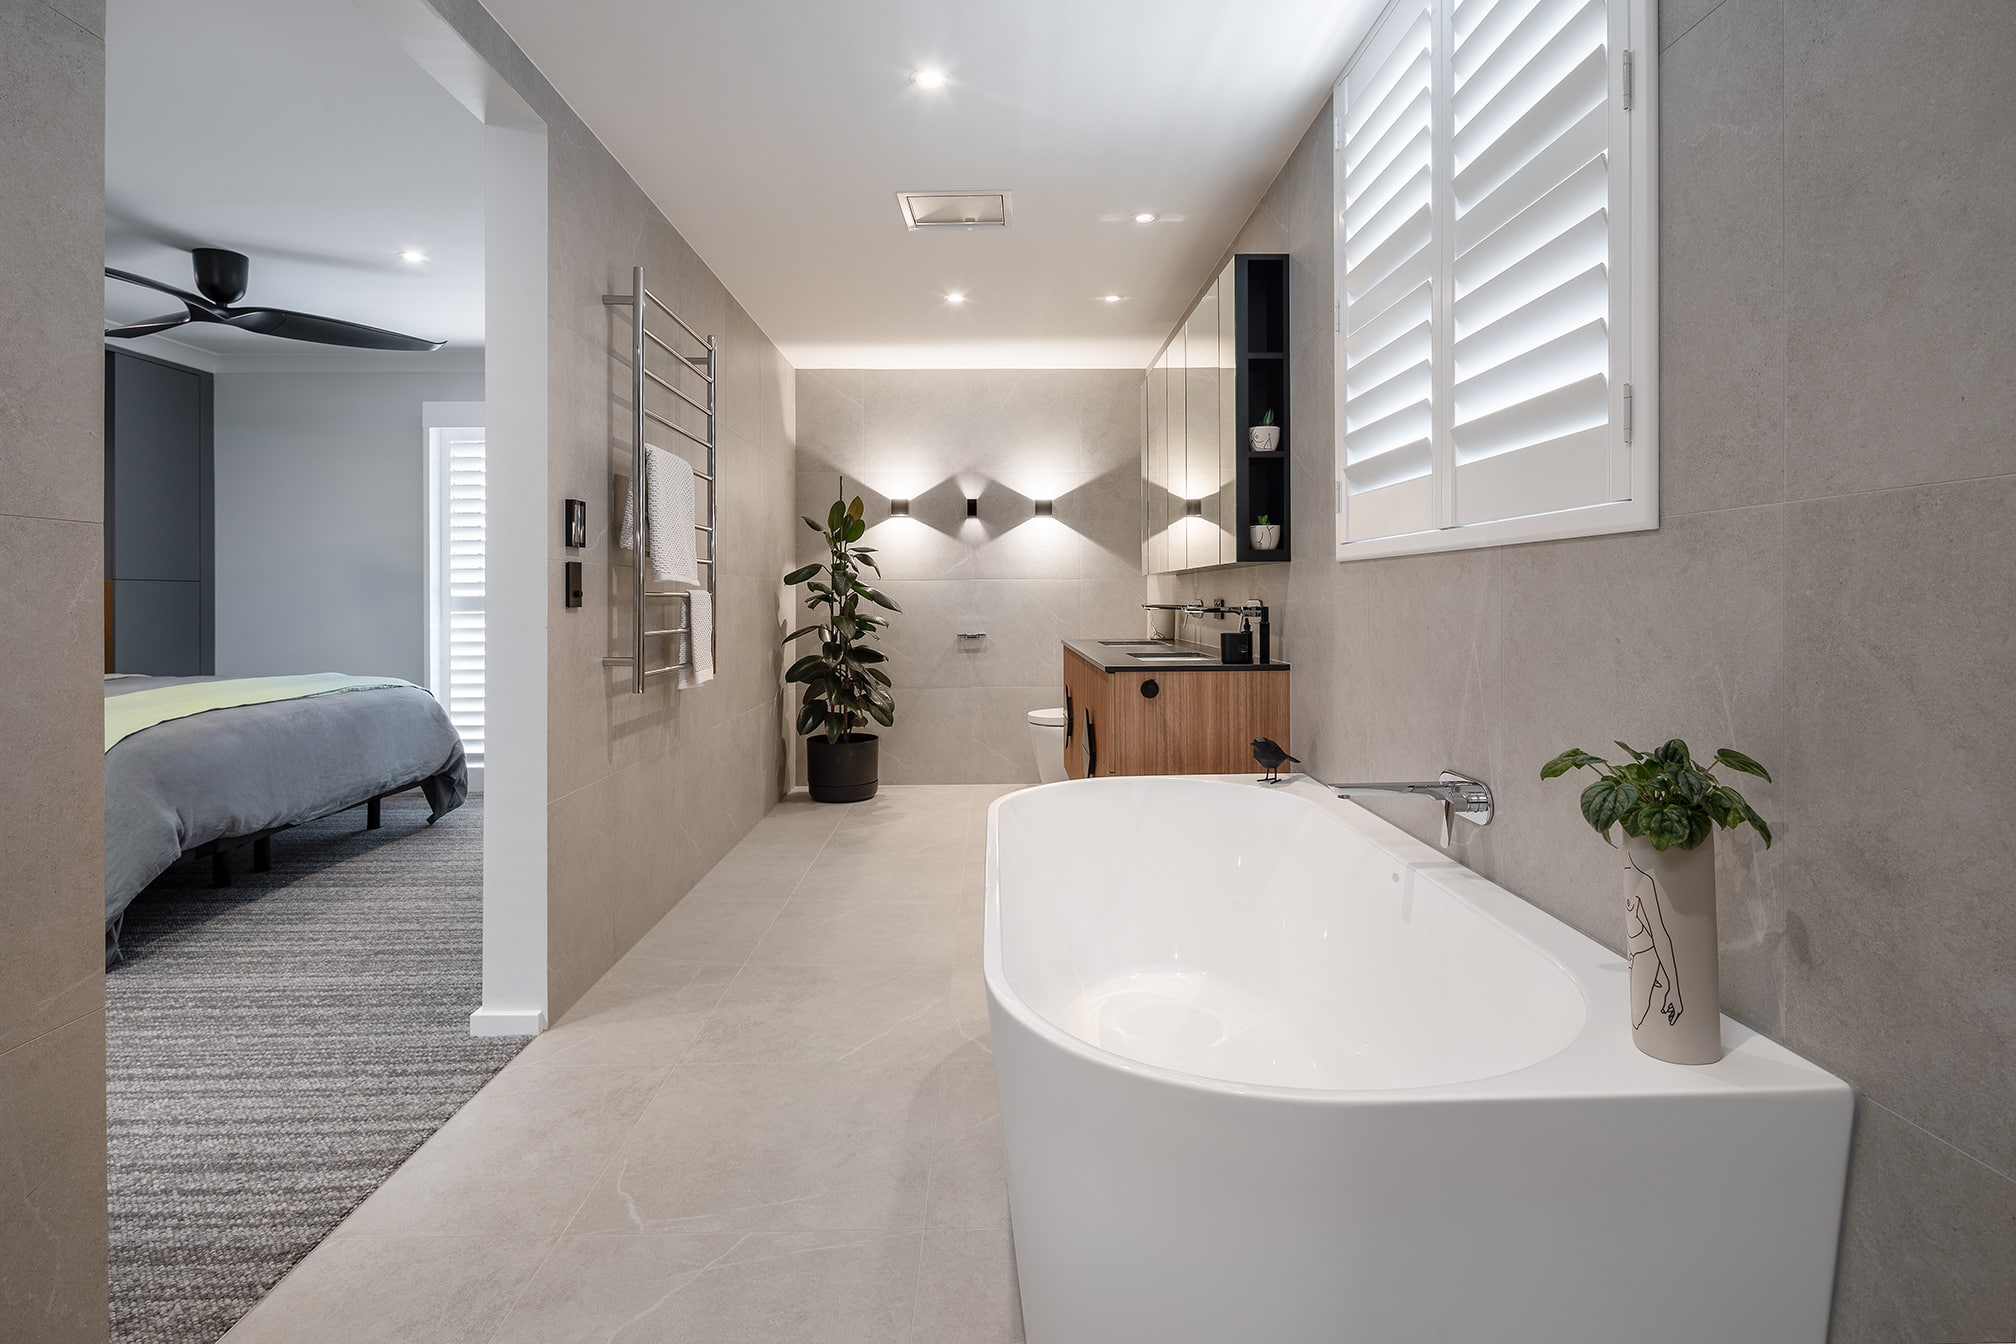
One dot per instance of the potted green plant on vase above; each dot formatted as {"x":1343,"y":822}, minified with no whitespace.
{"x":1668,"y":806}
{"x":844,"y":687}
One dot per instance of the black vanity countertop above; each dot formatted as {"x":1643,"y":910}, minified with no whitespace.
{"x":1117,"y":655}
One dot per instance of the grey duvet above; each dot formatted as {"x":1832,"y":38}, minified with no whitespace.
{"x":235,"y":772}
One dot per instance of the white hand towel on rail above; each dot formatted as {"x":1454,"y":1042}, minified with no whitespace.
{"x":671,"y":536}
{"x":696,"y":646}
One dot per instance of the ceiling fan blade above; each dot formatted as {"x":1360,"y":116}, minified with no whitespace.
{"x":322,"y":330}
{"x":151,"y":325}
{"x":196,"y":302}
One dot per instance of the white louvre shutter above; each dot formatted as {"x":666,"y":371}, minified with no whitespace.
{"x":1387,"y":280}
{"x":458,"y":567}
{"x":1528,"y":297}
{"x":1530,"y":425}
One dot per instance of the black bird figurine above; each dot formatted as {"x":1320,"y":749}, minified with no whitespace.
{"x":1268,"y":754}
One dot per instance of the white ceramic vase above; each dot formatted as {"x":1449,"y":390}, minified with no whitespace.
{"x":1264,"y":438}
{"x":1265,"y":537}
{"x":1669,"y":921}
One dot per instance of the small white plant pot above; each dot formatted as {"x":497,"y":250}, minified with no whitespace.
{"x":1669,"y":923}
{"x":1267,"y":537}
{"x":1264,"y":438}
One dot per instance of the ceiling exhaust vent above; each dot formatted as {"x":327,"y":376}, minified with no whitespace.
{"x":954,"y":209}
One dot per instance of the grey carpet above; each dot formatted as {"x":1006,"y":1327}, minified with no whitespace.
{"x":276,"y":1048}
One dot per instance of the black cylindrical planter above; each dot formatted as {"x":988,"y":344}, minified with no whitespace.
{"x":842,"y":772}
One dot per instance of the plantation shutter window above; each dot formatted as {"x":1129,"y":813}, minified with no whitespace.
{"x":1494,"y":238}
{"x":457,"y":578}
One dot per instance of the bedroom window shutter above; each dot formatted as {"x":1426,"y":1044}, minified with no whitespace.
{"x":459,"y":577}
{"x":1498,"y":406}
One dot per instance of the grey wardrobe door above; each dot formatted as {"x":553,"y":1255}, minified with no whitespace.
{"x":157,"y":627}
{"x":157,"y":475}
{"x":158,"y":515}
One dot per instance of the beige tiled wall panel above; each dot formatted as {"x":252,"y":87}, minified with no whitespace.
{"x":52,"y":797}
{"x":647,"y":792}
{"x":1008,"y":438}
{"x":1831,"y":590}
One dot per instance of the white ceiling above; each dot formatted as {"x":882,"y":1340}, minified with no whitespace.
{"x":298,"y":134}
{"x":775,"y":134}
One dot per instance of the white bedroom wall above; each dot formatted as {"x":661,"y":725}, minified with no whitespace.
{"x":321,"y":520}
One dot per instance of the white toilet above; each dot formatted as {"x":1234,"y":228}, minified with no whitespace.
{"x":1046,"y":734}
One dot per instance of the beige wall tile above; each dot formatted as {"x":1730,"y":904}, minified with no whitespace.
{"x":1900,"y":194}
{"x":52,"y":78}
{"x":1927,"y":1243}
{"x":1721,"y":253}
{"x":52,"y":1186}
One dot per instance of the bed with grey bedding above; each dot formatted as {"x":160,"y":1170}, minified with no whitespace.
{"x":240,"y":771}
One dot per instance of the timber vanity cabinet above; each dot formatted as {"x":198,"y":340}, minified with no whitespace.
{"x":1127,"y":714}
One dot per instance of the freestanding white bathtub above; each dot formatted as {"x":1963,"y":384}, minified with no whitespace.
{"x":1272,"y":1071}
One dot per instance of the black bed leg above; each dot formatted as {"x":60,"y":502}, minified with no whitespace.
{"x":262,"y":854}
{"x":373,"y":814}
{"x":220,"y":869}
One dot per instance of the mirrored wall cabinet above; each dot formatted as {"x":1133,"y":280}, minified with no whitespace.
{"x":1208,"y":478}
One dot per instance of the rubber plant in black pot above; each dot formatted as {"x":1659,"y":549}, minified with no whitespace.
{"x":844,"y":687}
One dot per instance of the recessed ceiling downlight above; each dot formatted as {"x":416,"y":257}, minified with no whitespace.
{"x":930,"y":77}
{"x":1145,"y":217}
{"x":412,"y":256}
{"x":1112,"y":298}
{"x":955,"y":297}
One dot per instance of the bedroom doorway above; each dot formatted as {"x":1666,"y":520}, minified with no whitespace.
{"x":277,"y":1046}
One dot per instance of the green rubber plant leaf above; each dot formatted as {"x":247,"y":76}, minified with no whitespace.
{"x":1737,"y":761}
{"x":800,"y":574}
{"x":810,"y":523}
{"x":802,"y":631}
{"x":1606,"y":801}
{"x":856,"y":527}
{"x":835,"y":517}
{"x":805,"y":668}
{"x":1572,"y":759}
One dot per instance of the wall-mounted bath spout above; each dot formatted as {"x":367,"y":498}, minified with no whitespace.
{"x":1459,"y":795}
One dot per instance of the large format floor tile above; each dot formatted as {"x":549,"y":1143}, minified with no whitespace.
{"x":774,"y":1120}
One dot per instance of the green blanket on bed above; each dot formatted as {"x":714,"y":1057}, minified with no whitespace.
{"x":127,"y":714}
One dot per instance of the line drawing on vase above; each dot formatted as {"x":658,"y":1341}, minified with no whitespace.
{"x":1646,"y":934}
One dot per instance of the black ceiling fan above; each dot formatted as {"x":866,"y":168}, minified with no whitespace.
{"x":221,"y":276}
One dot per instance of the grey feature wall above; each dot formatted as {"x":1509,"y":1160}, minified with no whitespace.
{"x":1831,"y":589}
{"x":321,"y":506}
{"x":52,"y":795}
{"x":1006,"y":438}
{"x":645,"y":793}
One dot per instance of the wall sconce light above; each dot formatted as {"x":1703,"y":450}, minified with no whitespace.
{"x":972,"y":508}
{"x":899,"y":508}
{"x":1045,"y":508}
{"x":1193,"y":508}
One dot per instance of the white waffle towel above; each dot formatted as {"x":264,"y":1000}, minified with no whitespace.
{"x":671,"y":536}
{"x":696,"y":646}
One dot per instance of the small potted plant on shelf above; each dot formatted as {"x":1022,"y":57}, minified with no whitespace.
{"x":1668,"y":806}
{"x":1265,"y":436}
{"x":1266,"y":536}
{"x":844,"y":687}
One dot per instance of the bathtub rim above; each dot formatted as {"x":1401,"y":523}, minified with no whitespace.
{"x":1598,"y":1061}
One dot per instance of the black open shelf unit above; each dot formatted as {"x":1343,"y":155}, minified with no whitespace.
{"x":1261,"y":351}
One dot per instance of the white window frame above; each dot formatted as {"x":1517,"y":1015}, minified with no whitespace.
{"x":437,"y":418}
{"x":1633,"y":29}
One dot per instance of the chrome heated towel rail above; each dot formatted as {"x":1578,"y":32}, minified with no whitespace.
{"x":704,"y":367}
